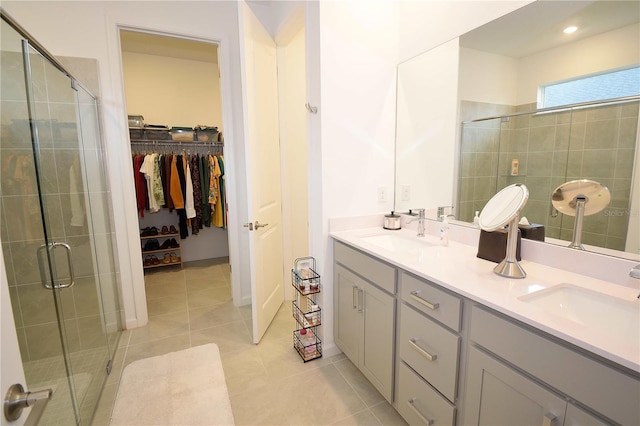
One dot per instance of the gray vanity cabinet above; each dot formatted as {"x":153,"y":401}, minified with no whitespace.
{"x":498,"y":395}
{"x":515,"y":370}
{"x":458,"y":362}
{"x":364,"y":315}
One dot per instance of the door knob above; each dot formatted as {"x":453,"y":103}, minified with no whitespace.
{"x":17,"y":399}
{"x":260,"y":225}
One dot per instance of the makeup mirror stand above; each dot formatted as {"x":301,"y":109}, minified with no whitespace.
{"x":503,"y":209}
{"x":576,"y":242}
{"x":510,"y":267}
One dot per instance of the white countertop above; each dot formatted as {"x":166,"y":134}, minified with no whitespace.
{"x":457,"y":268}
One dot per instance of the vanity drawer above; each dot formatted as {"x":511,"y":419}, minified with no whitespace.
{"x":419,"y":404}
{"x":432,"y":300}
{"x":429,"y":349}
{"x":367,"y":267}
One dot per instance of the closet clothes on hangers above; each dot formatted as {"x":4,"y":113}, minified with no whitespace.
{"x":192,"y":184}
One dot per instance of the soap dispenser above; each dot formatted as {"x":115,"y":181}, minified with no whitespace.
{"x":476,"y":219}
{"x":444,"y":231}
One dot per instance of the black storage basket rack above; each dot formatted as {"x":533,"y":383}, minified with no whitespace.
{"x":305,"y":309}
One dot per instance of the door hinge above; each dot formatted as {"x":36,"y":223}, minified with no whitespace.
{"x":109,"y":365}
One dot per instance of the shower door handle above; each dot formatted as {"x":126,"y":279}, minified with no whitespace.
{"x":43,"y":271}
{"x":17,"y":399}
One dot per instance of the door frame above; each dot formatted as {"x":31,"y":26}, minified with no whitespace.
{"x":235,"y":167}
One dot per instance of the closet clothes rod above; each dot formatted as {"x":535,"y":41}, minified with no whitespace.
{"x":175,"y":143}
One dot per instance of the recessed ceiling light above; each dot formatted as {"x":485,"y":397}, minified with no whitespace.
{"x":570,"y":30}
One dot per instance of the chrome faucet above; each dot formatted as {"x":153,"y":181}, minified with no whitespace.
{"x":441,"y":212}
{"x":635,"y":272}
{"x":420,"y":220}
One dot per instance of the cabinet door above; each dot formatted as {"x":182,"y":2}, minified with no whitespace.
{"x":499,"y":395}
{"x":376,"y":356}
{"x":578,"y":417}
{"x":347,"y":319}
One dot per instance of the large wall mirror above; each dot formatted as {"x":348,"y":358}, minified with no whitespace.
{"x":482,"y":90}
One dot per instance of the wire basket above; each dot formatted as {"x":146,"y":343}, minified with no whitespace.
{"x":304,"y":276}
{"x":310,"y":318}
{"x":307,"y":350}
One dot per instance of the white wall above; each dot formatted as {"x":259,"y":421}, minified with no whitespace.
{"x":172,"y":91}
{"x":90,"y":30}
{"x":497,"y":82}
{"x":293,"y":150}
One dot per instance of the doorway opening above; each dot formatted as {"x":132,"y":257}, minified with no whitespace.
{"x":173,"y":97}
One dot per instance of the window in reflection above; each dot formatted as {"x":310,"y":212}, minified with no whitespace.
{"x":606,"y":85}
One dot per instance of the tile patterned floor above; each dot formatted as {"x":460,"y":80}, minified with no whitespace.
{"x":268,"y":383}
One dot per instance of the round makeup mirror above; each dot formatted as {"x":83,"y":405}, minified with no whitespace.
{"x":580,"y":198}
{"x":501,"y":210}
{"x":503,"y":206}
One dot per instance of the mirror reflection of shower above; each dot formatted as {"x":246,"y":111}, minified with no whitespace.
{"x":580,"y":198}
{"x":593,"y":142}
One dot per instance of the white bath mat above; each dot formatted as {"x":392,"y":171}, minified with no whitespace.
{"x":180,"y":388}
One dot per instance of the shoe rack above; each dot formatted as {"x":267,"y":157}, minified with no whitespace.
{"x":161,"y":247}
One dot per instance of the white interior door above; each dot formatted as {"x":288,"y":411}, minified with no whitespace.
{"x":10,"y":361}
{"x":263,"y":168}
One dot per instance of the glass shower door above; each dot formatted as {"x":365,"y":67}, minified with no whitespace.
{"x":68,"y":257}
{"x":56,"y":233}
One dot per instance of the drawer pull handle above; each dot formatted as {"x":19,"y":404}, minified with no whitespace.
{"x":548,"y":419}
{"x":421,"y":351}
{"x":353,"y":296}
{"x":424,"y":420}
{"x":432,"y":306}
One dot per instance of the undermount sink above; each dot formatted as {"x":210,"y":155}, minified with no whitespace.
{"x":597,"y":311}
{"x":397,"y":243}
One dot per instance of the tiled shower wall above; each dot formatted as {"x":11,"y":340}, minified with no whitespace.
{"x":21,"y":228}
{"x":595,"y":143}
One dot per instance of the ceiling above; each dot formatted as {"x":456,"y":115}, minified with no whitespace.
{"x":538,"y":26}
{"x":172,"y":47}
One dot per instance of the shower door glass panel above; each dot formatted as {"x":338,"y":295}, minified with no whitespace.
{"x":22,"y":234}
{"x":65,"y":200}
{"x":100,"y":220}
{"x":53,"y":205}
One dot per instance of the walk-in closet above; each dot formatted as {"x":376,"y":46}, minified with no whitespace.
{"x":172,"y":88}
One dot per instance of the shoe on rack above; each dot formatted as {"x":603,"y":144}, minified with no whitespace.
{"x":167,"y":259}
{"x":174,"y":258}
{"x":173,"y":230}
{"x":145,"y":232}
{"x":151,"y":245}
{"x":155,"y":260}
{"x":166,"y":244}
{"x":173,"y":243}
{"x":164,"y":230}
{"x":147,"y":261}
{"x":153,"y":231}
